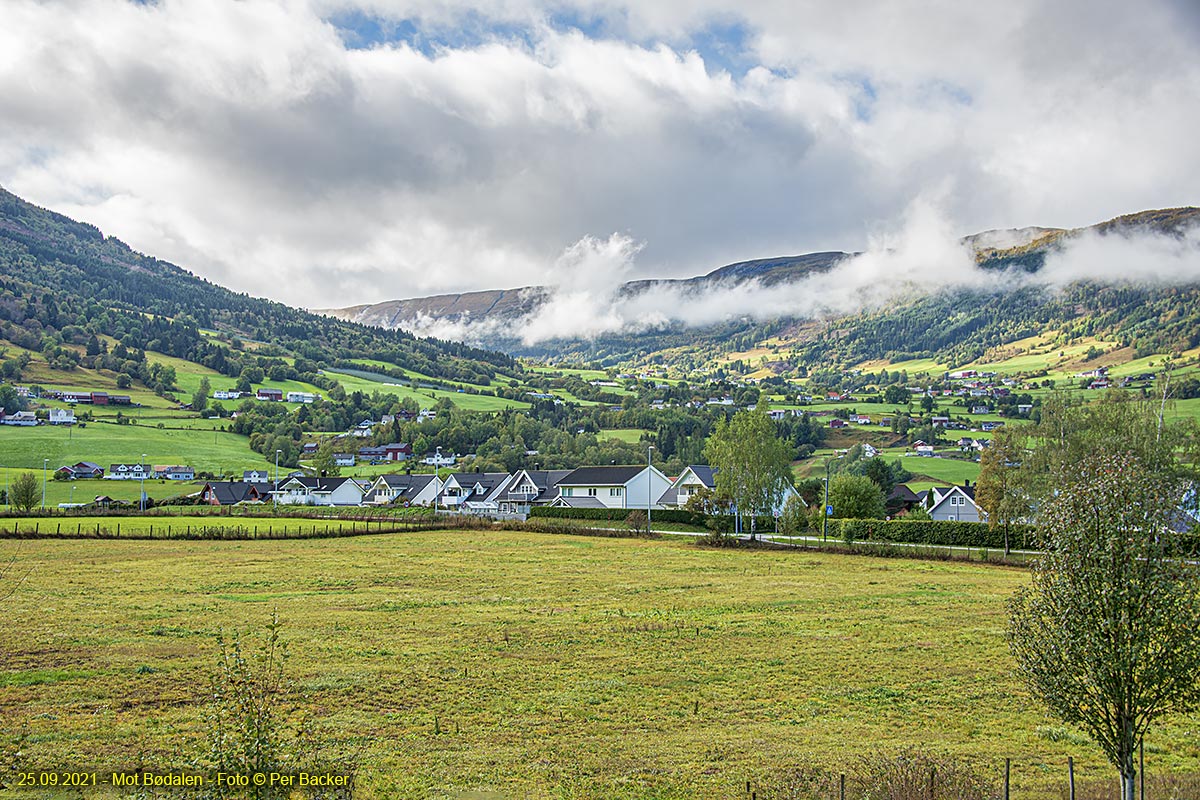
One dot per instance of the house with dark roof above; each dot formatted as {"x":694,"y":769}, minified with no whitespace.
{"x":256,"y":476}
{"x":699,"y":477}
{"x":232,"y":493}
{"x":477,"y":492}
{"x":84,"y":469}
{"x":403,"y":490}
{"x":954,"y":504}
{"x":530,"y":488}
{"x":319,"y":491}
{"x":612,"y":487}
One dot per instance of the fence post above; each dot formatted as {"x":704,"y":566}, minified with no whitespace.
{"x":842,"y":790}
{"x":1071,"y":775}
{"x":932,"y":775}
{"x":1007,"y":772}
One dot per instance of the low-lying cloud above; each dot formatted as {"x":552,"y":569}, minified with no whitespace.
{"x":923,"y":257}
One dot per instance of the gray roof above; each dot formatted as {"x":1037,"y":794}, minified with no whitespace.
{"x":580,"y":502}
{"x":600,"y":476}
{"x":546,"y":480}
{"x":702,"y":471}
{"x":232,"y":492}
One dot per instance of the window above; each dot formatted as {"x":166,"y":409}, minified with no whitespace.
{"x":614,"y":492}
{"x":567,"y":492}
{"x":591,"y":492}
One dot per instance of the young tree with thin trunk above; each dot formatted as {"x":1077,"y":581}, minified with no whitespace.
{"x":753,"y":465}
{"x":25,"y":492}
{"x":1108,"y":632}
{"x":999,"y":491}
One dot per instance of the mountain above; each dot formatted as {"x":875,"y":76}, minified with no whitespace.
{"x":951,"y":327}
{"x":66,"y":279}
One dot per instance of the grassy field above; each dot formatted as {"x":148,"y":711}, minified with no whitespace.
{"x":631,"y":435}
{"x":107,"y":444}
{"x":525,"y":665}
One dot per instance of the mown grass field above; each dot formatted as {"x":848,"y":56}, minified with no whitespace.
{"x":106,"y":443}
{"x":525,"y":665}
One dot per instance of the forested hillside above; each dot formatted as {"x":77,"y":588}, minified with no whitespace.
{"x":64,"y":279}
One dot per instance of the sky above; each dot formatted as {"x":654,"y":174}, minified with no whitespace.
{"x":335,"y":152}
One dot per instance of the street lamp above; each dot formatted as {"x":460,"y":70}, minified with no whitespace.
{"x":437,"y":478}
{"x":825,"y":511}
{"x":275,"y":494}
{"x":649,"y":485}
{"x":142,"y":472}
{"x":45,"y":463}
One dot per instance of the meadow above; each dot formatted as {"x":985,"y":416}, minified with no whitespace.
{"x":525,"y":665}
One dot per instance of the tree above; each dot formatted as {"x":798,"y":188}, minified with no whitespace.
{"x":200,"y":398}
{"x":856,"y":497}
{"x":324,"y":462}
{"x":1107,"y":634}
{"x":753,"y":466}
{"x":896,"y":395}
{"x":999,"y":491}
{"x":25,"y":491}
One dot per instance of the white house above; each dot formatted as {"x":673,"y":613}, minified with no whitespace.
{"x":530,"y":488}
{"x":23,"y":418}
{"x":231,"y":394}
{"x":477,"y":492}
{"x":343,"y":459}
{"x":440,"y":459}
{"x":62,"y":416}
{"x":128,"y":472}
{"x":407,"y":490}
{"x":698,"y":477}
{"x":307,"y":491}
{"x":256,"y":476}
{"x":173,"y":473}
{"x":612,"y":487}
{"x":302,"y":397}
{"x":954,"y":504}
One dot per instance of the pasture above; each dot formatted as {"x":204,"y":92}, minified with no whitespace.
{"x":527,"y":665}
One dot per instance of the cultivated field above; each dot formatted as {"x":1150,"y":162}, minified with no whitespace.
{"x":526,"y":665}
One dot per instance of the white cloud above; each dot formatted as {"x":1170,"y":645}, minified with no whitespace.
{"x":246,"y":142}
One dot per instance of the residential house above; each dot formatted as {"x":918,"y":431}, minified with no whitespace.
{"x":76,"y":397}
{"x":84,"y":469}
{"x":440,"y":459}
{"x":343,"y":459}
{"x":698,"y":477}
{"x":530,"y":488}
{"x":902,"y":500}
{"x":476,"y":492}
{"x":403,"y":490}
{"x":274,"y":395}
{"x":954,"y":504}
{"x":128,"y":472}
{"x":256,"y":476}
{"x":363,"y":429}
{"x":371,"y":454}
{"x":939,"y":422}
{"x":302,"y":397}
{"x":175,"y":473}
{"x":318,"y":491}
{"x":612,"y":487}
{"x":990,"y":426}
{"x":980,"y":409}
{"x":231,"y":394}
{"x":923,"y":449}
{"x":62,"y":416}
{"x":232,"y":493}
{"x":310,"y":448}
{"x":837,"y":423}
{"x":22,"y":418}
{"x":397,"y":451}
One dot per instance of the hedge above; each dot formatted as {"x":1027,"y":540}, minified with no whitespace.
{"x":950,"y":534}
{"x":616,"y":514}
